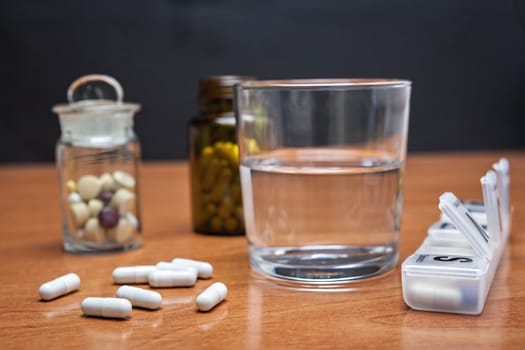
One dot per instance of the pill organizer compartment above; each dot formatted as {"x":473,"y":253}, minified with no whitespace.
{"x":445,"y":283}
{"x":453,"y":269}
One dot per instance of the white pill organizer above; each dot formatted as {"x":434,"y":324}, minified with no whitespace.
{"x":453,"y":269}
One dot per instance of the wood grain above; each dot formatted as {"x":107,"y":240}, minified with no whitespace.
{"x":259,"y":313}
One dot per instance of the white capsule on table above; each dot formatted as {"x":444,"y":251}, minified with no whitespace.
{"x":139,"y":297}
{"x":164,"y":265}
{"x":204,"y":269}
{"x":171,"y":278}
{"x":132,"y":274}
{"x":211,"y":296}
{"x":106,"y":307}
{"x":59,"y":286}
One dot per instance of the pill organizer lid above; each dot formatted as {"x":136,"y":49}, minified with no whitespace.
{"x":473,"y":232}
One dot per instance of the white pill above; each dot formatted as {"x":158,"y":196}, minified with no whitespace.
{"x":139,"y":297}
{"x":80,"y":213}
{"x":132,"y":274}
{"x":95,"y":206}
{"x":106,"y":307}
{"x":93,"y":231}
{"x":204,"y":269}
{"x":59,"y":286}
{"x":122,"y":232}
{"x":131,"y":218}
{"x":74,"y":198}
{"x":123,"y":200}
{"x":435,"y":295}
{"x":89,"y":186}
{"x":124,"y":179}
{"x":170,"y":278}
{"x":211,"y":296}
{"x":164,"y":265}
{"x":107,"y":182}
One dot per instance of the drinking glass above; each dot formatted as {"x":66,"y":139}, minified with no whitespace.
{"x":322,"y":165}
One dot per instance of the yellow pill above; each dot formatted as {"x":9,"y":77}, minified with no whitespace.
{"x":234,"y":157}
{"x":235,"y":193}
{"x":225,"y":209}
{"x":206,"y":157}
{"x":216,"y":223}
{"x":230,"y":224}
{"x":226,"y":175}
{"x":217,"y":193}
{"x":252,"y":147}
{"x":210,"y":209}
{"x":207,"y":151}
{"x":71,"y":186}
{"x":239,"y":213}
{"x":209,"y":174}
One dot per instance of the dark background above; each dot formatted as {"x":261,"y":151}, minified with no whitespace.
{"x":466,"y":60}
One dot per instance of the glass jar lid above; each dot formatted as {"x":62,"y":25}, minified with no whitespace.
{"x":95,"y":93}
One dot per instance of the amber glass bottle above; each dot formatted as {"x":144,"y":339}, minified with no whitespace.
{"x":214,"y":160}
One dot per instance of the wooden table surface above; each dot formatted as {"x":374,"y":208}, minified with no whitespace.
{"x":258,"y":313}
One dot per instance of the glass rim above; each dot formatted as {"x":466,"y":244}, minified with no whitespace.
{"x":326,"y":83}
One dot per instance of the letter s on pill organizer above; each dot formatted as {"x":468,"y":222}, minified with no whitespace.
{"x":59,"y":286}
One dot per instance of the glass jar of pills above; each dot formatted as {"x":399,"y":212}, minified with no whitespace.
{"x":97,"y":158}
{"x":214,"y":160}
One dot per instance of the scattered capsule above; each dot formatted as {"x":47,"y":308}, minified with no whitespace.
{"x":139,"y":297}
{"x":164,"y":265}
{"x":106,"y":307}
{"x":132,"y":274}
{"x":211,"y":296}
{"x":204,"y":269}
{"x":59,"y":286}
{"x":171,"y":278}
